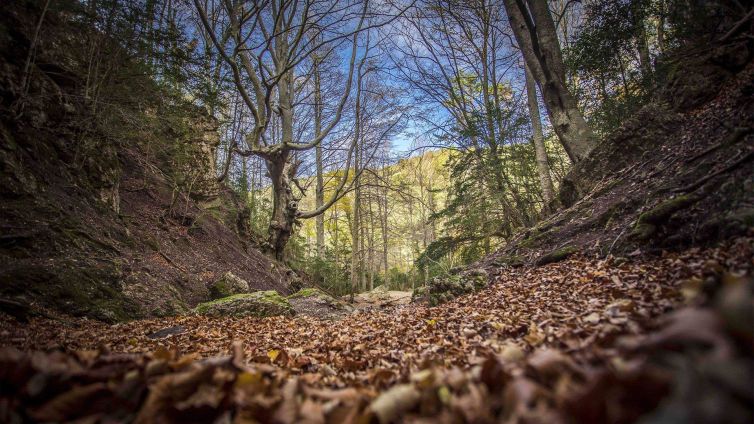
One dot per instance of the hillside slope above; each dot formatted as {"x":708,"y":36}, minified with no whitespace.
{"x":677,"y":174}
{"x":110,"y":209}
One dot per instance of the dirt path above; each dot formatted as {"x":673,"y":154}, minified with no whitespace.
{"x":538,"y":336}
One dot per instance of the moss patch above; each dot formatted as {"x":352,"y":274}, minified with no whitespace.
{"x":663,"y":211}
{"x":648,"y":221}
{"x":259,"y":304}
{"x":557,"y":255}
{"x":309,"y":292}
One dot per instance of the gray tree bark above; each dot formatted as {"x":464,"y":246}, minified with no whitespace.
{"x":320,"y":189}
{"x":543,"y":168}
{"x":535,"y":33}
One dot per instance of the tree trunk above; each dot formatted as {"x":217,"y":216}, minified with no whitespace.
{"x":383,"y":225}
{"x":362,"y":249}
{"x":355,"y":229}
{"x":539,"y":45}
{"x":543,"y":168}
{"x":284,"y":205}
{"x":371,"y":243}
{"x":320,"y":189}
{"x":644,"y":59}
{"x":661,"y":27}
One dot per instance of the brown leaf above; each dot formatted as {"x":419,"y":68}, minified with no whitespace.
{"x":493,"y":375}
{"x":394,"y":402}
{"x":287,"y":412}
{"x":76,"y":402}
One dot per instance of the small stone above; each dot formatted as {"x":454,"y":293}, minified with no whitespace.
{"x":228,"y":285}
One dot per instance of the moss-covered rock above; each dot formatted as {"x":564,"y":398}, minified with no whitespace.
{"x":310,"y":292}
{"x":447,"y":287}
{"x":557,"y":255}
{"x":257,"y":304}
{"x":228,"y":285}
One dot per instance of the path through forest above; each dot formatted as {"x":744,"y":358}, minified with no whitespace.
{"x":536,"y":343}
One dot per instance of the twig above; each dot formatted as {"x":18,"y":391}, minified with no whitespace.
{"x":616,"y":240}
{"x":171,"y":262}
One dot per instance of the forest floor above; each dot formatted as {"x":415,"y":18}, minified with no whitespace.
{"x":633,"y":336}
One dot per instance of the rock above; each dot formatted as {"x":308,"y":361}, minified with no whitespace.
{"x":420,"y":294}
{"x":380,"y":289}
{"x":169,"y":331}
{"x":228,"y":285}
{"x":315,"y":295}
{"x":257,"y":304}
{"x":311,"y":292}
{"x":295,"y":283}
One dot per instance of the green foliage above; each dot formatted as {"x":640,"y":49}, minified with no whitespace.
{"x":604,"y":60}
{"x":399,"y":280}
{"x":617,"y":57}
{"x":491,"y":190}
{"x":327,"y":273}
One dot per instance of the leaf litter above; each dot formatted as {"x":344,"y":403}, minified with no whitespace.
{"x":663,"y":339}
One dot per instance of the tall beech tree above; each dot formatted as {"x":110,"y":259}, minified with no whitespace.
{"x":535,"y":33}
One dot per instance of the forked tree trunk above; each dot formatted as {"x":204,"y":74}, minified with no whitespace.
{"x":535,"y":32}
{"x":284,"y":205}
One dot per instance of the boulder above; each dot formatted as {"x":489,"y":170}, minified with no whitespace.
{"x":257,"y":304}
{"x":228,"y":285}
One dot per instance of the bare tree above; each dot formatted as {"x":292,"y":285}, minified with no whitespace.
{"x":264,"y":43}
